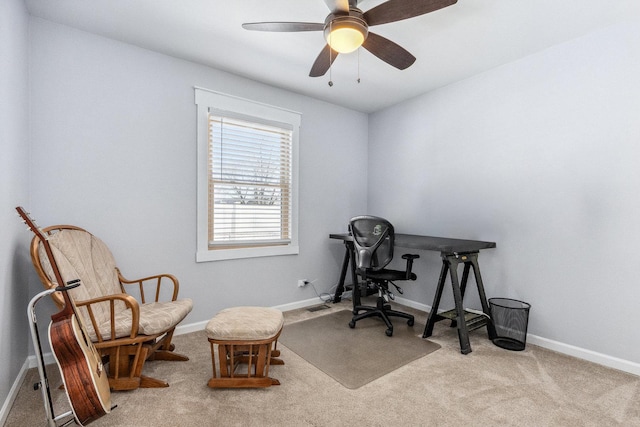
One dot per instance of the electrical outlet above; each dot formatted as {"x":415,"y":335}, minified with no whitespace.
{"x":302,"y":283}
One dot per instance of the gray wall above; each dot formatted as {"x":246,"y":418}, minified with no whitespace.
{"x":101,"y":134}
{"x":541,"y":156}
{"x":14,"y":177}
{"x":114,"y":151}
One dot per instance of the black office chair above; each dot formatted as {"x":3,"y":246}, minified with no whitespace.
{"x":373,"y":241}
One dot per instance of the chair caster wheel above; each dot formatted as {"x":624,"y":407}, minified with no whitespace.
{"x":410,"y":322}
{"x":352,"y":324}
{"x":389,"y":332}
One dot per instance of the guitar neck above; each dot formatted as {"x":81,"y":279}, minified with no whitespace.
{"x":68,"y":309}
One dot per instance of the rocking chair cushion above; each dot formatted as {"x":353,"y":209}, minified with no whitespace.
{"x":81,"y":255}
{"x":155,"y":318}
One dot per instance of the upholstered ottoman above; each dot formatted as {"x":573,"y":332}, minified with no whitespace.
{"x":245,"y":336}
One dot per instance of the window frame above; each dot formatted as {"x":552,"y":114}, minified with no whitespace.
{"x":207,"y":100}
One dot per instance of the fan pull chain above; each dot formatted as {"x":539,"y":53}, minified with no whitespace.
{"x":330,"y":76}
{"x":358,"y":65}
{"x":330,"y":52}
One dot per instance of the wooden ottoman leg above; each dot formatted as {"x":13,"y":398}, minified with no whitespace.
{"x":275,"y":354}
{"x":229,"y":359}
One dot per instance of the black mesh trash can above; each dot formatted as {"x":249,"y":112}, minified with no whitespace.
{"x":510,"y":318}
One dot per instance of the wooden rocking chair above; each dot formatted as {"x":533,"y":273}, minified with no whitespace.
{"x":126,"y":330}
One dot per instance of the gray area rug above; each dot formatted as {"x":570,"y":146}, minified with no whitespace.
{"x":355,"y":357}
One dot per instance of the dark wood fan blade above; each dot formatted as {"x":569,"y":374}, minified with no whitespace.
{"x":283,"y":26}
{"x":388,"y":51}
{"x":397,"y":10}
{"x":337,"y":5}
{"x":323,"y":62}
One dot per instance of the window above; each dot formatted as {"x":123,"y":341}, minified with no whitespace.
{"x":247,"y":178}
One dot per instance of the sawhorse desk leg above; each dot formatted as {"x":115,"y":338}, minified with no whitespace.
{"x":343,"y":274}
{"x":464,"y":321}
{"x":355,"y":293}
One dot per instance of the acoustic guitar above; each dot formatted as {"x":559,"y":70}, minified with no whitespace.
{"x":85,"y":380}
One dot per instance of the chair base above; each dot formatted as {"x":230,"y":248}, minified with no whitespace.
{"x":126,"y":362}
{"x":258,"y":356}
{"x":381,"y":310}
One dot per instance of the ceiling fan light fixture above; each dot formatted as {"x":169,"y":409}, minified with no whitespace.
{"x":346,"y":34}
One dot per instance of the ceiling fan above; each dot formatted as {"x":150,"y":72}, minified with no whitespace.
{"x":346,"y":28}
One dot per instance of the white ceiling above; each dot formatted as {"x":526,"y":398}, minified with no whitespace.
{"x":451,"y":44}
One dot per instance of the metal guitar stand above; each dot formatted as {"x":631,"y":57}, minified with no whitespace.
{"x":52,"y":420}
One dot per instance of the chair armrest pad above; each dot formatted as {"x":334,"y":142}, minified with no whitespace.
{"x":410,"y":258}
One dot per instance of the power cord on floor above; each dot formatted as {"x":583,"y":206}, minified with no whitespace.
{"x":329,"y":295}
{"x":478,"y":312}
{"x":325,"y":296}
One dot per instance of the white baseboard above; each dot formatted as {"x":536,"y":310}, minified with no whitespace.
{"x":192,"y":327}
{"x":581,"y":353}
{"x":199,"y":326}
{"x":413,"y":304}
{"x":300,"y":304}
{"x":13,"y":393}
{"x":569,"y":350}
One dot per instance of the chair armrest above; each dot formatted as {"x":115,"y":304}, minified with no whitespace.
{"x":158,"y":285}
{"x":410,"y":258}
{"x":129,"y":301}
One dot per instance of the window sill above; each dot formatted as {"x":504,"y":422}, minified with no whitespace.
{"x":228,"y":254}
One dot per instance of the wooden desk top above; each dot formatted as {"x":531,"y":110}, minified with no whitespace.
{"x":444,"y":245}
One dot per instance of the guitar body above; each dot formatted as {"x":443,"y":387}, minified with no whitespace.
{"x":85,"y":380}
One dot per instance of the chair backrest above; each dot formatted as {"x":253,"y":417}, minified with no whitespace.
{"x":373,"y":240}
{"x":79,"y":255}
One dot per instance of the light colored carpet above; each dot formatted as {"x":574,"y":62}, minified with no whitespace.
{"x":489,"y":387}
{"x":355,"y":357}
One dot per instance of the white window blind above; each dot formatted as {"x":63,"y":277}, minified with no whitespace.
{"x":250,"y":182}
{"x":247,"y":181}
